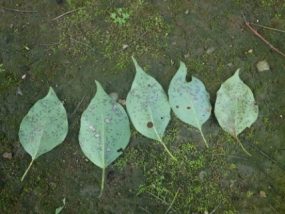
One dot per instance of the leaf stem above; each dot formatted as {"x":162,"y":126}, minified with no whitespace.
{"x":204,"y":138}
{"x":102,"y":183}
{"x":27,"y":170}
{"x":242,"y":146}
{"x":166,"y":149}
{"x":159,"y":138}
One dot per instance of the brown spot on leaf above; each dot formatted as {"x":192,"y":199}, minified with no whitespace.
{"x":149,"y":124}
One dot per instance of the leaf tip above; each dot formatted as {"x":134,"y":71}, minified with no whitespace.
{"x":237,"y":72}
{"x":51,"y":90}
{"x":98,"y":85}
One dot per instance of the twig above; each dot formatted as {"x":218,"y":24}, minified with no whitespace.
{"x":215,"y":209}
{"x":49,"y":44}
{"x":269,"y":28}
{"x":144,"y":209}
{"x":264,"y":154}
{"x":170,"y":206}
{"x":254,"y":31}
{"x":158,"y":198}
{"x":66,"y":13}
{"x":19,"y":11}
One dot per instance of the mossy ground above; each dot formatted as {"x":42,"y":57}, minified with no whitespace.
{"x":71,"y":52}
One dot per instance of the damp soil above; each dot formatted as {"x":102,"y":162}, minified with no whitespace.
{"x":39,"y":48}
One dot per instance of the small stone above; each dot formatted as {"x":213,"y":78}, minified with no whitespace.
{"x":186,"y":12}
{"x":262,"y":194}
{"x":125,"y":46}
{"x":210,"y":50}
{"x":250,"y":51}
{"x":7,"y":155}
{"x":122,"y":102}
{"x":262,"y":66}
{"x":19,"y":91}
{"x":186,"y":55}
{"x":24,"y":76}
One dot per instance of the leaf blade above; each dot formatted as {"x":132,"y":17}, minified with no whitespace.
{"x":235,"y":106}
{"x":190,"y":101}
{"x":147,"y":105}
{"x":104,"y":129}
{"x":44,"y":127}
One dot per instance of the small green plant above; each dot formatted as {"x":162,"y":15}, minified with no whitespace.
{"x":120,"y":17}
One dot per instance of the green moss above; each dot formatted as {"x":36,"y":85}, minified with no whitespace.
{"x":90,"y":30}
{"x":196,"y":176}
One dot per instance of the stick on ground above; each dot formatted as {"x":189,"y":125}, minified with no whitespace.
{"x":254,"y":31}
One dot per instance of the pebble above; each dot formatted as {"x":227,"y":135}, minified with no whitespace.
{"x":19,"y":91}
{"x":122,"y":102}
{"x":250,"y":51}
{"x":24,"y":76}
{"x":210,"y":50}
{"x":262,"y":66}
{"x":125,"y":46}
{"x":262,"y":194}
{"x":7,"y":155}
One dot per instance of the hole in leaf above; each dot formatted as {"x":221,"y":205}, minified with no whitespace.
{"x":188,"y":107}
{"x":149,"y":85}
{"x":188,"y":77}
{"x":120,"y":150}
{"x":177,"y":106}
{"x":162,"y":118}
{"x":149,"y":124}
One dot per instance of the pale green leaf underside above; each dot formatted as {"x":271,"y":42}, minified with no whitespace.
{"x":104,"y":130}
{"x":235,"y":107}
{"x":189,"y":100}
{"x":45,"y":126}
{"x":147,"y":105}
{"x":59,"y":209}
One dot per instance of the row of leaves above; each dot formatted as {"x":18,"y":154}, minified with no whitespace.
{"x":105,"y":129}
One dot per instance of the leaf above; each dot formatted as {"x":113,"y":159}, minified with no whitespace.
{"x":104,"y":130}
{"x":44,"y":127}
{"x":189,"y":100}
{"x":148,"y":106}
{"x":235,"y":107}
{"x":59,"y":209}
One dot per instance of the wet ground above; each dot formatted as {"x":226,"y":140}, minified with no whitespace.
{"x":39,"y":48}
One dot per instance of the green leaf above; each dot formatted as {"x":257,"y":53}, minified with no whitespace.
{"x":104,"y":130}
{"x":189,"y":100}
{"x":148,"y":106}
{"x":235,"y":107}
{"x":44,"y":127}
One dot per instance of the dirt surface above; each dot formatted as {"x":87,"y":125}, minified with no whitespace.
{"x":39,"y":48}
